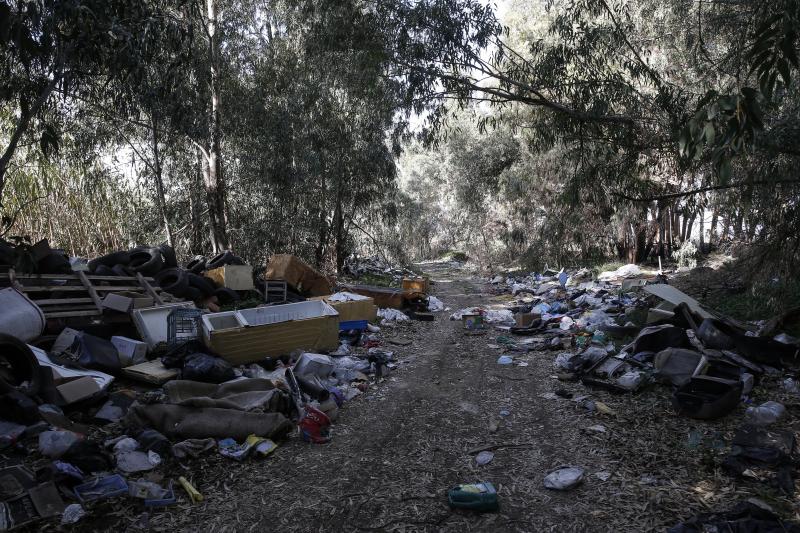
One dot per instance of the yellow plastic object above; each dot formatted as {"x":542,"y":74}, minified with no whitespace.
{"x":194,"y":495}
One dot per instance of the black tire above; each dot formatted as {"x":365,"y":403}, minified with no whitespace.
{"x":20,"y":366}
{"x":193,"y":293}
{"x":103,"y":270}
{"x":205,"y":285}
{"x":196,"y":265}
{"x":54,"y":263}
{"x":222,"y":259}
{"x":168,"y":255}
{"x":226,"y":296}
{"x":120,"y":271}
{"x":115,"y":258}
{"x":7,"y":254}
{"x":173,"y":280}
{"x":147,"y":261}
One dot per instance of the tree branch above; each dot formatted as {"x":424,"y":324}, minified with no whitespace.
{"x":703,"y":189}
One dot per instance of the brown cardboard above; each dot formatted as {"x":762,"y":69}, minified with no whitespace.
{"x":419,"y":284}
{"x":236,"y":277}
{"x":298,"y":274}
{"x":77,"y":389}
{"x":125,"y":301}
{"x":524,"y":320}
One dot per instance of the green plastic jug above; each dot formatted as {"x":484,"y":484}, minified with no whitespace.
{"x":476,"y":497}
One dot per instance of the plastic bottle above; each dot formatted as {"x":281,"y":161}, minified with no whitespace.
{"x":765,"y":414}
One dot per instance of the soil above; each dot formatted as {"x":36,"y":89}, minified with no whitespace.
{"x":398,"y":448}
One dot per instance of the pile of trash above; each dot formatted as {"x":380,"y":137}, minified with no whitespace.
{"x":629,"y":330}
{"x":358,"y":266}
{"x":120,"y":406}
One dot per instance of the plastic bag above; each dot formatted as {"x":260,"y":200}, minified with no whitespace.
{"x":765,"y":414}
{"x":207,"y":368}
{"x":54,"y":444}
{"x":564,"y":478}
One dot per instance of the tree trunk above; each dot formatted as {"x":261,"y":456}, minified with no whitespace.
{"x":702,"y":230}
{"x":713,"y":229}
{"x":22,"y":127}
{"x":196,"y":239}
{"x":661,"y":232}
{"x":214,"y":181}
{"x":160,"y":200}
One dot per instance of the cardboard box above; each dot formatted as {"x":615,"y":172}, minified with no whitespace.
{"x":236,"y":277}
{"x":251,"y":335}
{"x":352,"y":310}
{"x":151,"y":372}
{"x":383,"y":297}
{"x":298,"y":274}
{"x":524,"y":320}
{"x":125,"y":301}
{"x":418,"y":284}
{"x":131,"y":352}
{"x":77,"y":389}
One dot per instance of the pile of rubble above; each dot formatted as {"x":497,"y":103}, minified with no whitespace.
{"x":628,"y":330}
{"x":117,"y":400}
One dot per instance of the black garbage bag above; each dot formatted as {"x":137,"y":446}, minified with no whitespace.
{"x":206,"y":368}
{"x":88,"y":456}
{"x":723,"y":336}
{"x":657,"y":338}
{"x":150,"y":439}
{"x":96,"y":353}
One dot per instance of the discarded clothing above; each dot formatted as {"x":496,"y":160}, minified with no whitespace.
{"x":241,"y":395}
{"x":199,"y":423}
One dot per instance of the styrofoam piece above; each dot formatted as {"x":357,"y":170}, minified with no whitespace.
{"x":21,"y":318}
{"x":260,"y":316}
{"x":151,"y":322}
{"x":102,"y":379}
{"x":314,"y":364}
{"x":220,"y":321}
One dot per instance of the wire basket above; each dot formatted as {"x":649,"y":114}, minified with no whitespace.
{"x":183,"y":325}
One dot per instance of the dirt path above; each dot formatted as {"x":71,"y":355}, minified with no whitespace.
{"x":398,"y":448}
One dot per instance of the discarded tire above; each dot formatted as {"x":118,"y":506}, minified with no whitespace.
{"x":147,"y":261}
{"x":54,"y":263}
{"x":225,"y":258}
{"x":173,"y":280}
{"x":168,"y":255}
{"x":116,"y":258}
{"x":6,"y":254}
{"x":120,"y":270}
{"x":103,"y":270}
{"x":205,"y":285}
{"x":193,"y":293}
{"x":196,"y":265}
{"x":226,"y":296}
{"x":19,"y":368}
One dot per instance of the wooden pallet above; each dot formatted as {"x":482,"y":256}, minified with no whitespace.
{"x":76,"y":295}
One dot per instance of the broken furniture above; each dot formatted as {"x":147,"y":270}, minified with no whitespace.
{"x":79,"y":294}
{"x":294,"y":271}
{"x":250,"y":335}
{"x":236,"y":277}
